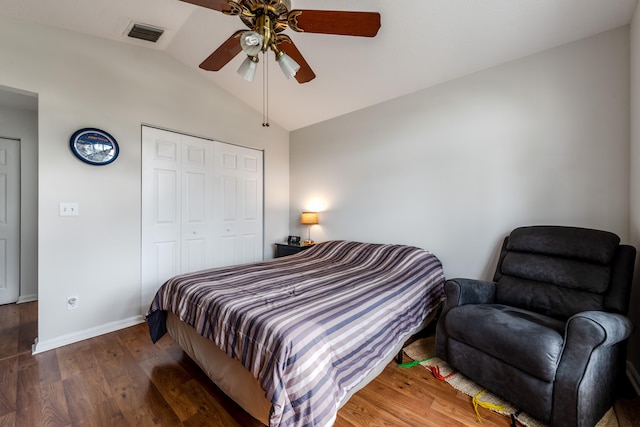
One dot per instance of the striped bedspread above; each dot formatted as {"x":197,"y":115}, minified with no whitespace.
{"x":309,"y":326}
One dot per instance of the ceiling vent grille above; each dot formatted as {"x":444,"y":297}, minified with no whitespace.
{"x":145,"y":32}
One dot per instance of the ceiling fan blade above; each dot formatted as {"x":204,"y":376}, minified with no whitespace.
{"x":363,"y":24}
{"x":219,"y":5}
{"x":305,"y":73}
{"x":225,"y":53}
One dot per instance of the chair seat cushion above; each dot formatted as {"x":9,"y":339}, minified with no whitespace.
{"x":529,"y":341}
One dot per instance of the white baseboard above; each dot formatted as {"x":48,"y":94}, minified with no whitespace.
{"x":42,"y":346}
{"x":27,"y":298}
{"x":634,"y":377}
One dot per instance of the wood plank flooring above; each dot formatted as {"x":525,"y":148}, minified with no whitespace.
{"x":122,"y":379}
{"x":18,"y":328}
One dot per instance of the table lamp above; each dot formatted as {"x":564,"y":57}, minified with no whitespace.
{"x":309,"y":218}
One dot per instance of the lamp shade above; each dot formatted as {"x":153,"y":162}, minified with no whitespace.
{"x":248,"y":68}
{"x":309,"y":218}
{"x":288,"y":66}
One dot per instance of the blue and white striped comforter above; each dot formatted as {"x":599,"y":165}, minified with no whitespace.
{"x":310,"y":326}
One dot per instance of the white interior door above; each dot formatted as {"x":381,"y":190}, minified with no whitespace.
{"x":186,"y":204}
{"x":161,"y":220}
{"x":196,"y":204}
{"x":9,"y":220}
{"x":239,"y":208}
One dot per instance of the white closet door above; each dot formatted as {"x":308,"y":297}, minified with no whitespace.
{"x":196,"y":204}
{"x":161,"y":212}
{"x":9,"y":220}
{"x":183,"y":206}
{"x":239,"y":207}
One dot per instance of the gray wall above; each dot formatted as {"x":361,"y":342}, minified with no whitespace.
{"x":634,"y":350}
{"x":454,"y":168}
{"x":84,"y":81}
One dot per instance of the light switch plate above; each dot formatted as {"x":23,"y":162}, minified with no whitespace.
{"x":69,"y":209}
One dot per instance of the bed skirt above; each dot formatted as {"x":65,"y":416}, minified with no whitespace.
{"x":235,"y":380}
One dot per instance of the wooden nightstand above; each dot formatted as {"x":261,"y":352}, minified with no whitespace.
{"x":282,"y":249}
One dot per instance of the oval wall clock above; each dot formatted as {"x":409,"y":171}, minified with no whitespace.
{"x":94,"y":146}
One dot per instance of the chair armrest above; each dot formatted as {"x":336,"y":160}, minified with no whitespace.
{"x":461,"y":292}
{"x":587,"y":331}
{"x":604,"y":328}
{"x":593,"y":355}
{"x":469,"y":291}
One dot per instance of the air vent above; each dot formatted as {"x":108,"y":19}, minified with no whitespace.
{"x":145,"y":32}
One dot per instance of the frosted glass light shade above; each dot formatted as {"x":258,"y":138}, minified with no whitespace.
{"x":251,"y":43}
{"x":288,"y":66}
{"x":248,"y":68}
{"x":309,"y":218}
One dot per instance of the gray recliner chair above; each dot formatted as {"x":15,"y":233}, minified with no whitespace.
{"x":549,"y":333}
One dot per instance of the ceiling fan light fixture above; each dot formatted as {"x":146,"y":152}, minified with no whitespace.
{"x":288,"y":66}
{"x":251,"y":42}
{"x":248,"y":68}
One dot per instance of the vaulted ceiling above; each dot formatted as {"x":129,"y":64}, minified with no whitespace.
{"x":421,"y":43}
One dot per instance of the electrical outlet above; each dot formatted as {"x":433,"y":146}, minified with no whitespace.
{"x":69,"y":209}
{"x":72,"y":302}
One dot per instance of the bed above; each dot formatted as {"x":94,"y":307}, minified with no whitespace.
{"x":292,"y":338}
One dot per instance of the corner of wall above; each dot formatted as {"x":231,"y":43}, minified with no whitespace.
{"x":634,"y":191}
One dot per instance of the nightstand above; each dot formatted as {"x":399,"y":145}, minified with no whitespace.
{"x":282,"y":249}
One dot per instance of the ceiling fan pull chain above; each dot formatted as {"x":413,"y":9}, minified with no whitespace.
{"x":265,"y":91}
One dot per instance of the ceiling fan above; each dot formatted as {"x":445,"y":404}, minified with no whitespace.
{"x":267,"y":19}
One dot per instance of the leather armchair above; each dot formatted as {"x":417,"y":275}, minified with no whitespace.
{"x":549,"y":333}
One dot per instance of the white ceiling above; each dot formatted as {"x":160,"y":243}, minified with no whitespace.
{"x":421,"y":43}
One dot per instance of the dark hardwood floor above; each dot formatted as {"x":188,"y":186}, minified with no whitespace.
{"x":18,"y":328}
{"x":122,"y":379}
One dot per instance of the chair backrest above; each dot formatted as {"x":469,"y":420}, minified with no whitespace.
{"x":561,"y":271}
